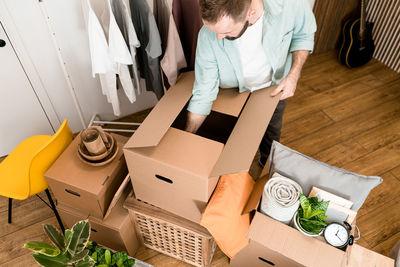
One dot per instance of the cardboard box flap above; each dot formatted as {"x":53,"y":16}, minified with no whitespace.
{"x":255,"y":196}
{"x":246,"y":136}
{"x":117,"y":195}
{"x":293,"y":244}
{"x":118,"y":214}
{"x":163,"y":114}
{"x":229,"y":101}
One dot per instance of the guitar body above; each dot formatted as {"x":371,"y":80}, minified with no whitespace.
{"x":353,"y":51}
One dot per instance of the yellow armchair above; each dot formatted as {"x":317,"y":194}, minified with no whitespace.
{"x":22,"y":171}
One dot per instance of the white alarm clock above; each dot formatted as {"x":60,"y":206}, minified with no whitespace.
{"x":338,"y":235}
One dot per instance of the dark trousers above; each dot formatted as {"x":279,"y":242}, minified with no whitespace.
{"x":273,"y":131}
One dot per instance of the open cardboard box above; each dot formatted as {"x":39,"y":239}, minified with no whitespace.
{"x":177,"y":170}
{"x":272,"y":243}
{"x":89,"y":188}
{"x":116,"y":230}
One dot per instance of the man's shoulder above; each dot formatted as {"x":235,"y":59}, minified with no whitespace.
{"x":206,"y":34}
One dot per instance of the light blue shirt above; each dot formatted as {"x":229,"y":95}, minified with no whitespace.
{"x":288,"y":25}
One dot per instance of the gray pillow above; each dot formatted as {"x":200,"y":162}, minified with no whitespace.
{"x":309,"y":172}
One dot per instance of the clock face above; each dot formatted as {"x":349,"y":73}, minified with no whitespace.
{"x":336,"y":235}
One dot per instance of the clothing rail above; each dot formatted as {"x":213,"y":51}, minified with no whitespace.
{"x":95,"y":120}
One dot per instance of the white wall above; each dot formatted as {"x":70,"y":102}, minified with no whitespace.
{"x":67,"y":21}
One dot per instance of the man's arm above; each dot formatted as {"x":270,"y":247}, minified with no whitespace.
{"x":301,"y":46}
{"x":206,"y":85}
{"x":289,"y":83}
{"x":194,"y":121}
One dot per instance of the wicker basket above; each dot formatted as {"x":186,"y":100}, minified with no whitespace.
{"x":170,"y":234}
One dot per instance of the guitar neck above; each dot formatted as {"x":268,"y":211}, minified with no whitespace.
{"x":362,"y":19}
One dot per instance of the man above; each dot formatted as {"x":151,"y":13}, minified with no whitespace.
{"x":250,"y":44}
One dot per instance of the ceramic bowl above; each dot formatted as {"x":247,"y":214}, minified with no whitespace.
{"x":83,"y":152}
{"x":110,"y":157}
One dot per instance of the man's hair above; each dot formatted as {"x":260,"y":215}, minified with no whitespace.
{"x":213,"y":10}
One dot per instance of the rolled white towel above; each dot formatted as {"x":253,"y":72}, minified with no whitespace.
{"x":280,"y":198}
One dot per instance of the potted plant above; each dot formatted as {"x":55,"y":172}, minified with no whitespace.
{"x":67,"y":250}
{"x":310,"y":217}
{"x":74,"y":249}
{"x":105,"y":257}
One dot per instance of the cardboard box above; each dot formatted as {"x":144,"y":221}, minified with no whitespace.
{"x":88,"y":188}
{"x":177,"y":170}
{"x":272,"y":243}
{"x":115,"y":231}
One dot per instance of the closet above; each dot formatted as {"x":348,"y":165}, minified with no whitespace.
{"x":21,"y":112}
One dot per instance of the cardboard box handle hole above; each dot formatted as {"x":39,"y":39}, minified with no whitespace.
{"x":266,"y":261}
{"x":164,"y":179}
{"x":72,"y":192}
{"x":94,"y":230}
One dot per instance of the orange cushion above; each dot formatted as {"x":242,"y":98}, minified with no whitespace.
{"x":223,"y":215}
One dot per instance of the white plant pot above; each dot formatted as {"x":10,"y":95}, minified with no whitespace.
{"x":300,"y":228}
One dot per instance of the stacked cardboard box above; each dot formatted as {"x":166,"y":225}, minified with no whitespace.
{"x":176,"y":171}
{"x":95,"y":193}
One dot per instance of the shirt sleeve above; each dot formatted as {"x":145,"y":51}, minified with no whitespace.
{"x":206,"y":85}
{"x":305,"y":27}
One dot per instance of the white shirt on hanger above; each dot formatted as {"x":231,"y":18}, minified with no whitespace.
{"x":109,"y":54}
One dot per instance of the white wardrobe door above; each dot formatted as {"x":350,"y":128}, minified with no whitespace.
{"x":21,"y":114}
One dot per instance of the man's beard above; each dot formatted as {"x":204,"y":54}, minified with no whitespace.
{"x":241,"y":32}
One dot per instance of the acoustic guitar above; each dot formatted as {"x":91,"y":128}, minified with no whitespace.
{"x":357,"y":45}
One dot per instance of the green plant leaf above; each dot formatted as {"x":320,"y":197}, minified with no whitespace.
{"x":304,"y":201}
{"x":42,"y":248}
{"x":102,"y":265}
{"x":94,"y":256}
{"x":313,"y":200}
{"x":322,"y":205}
{"x":101,"y":259}
{"x":86,"y":262}
{"x":315,"y":213}
{"x":131,"y":262}
{"x":305,"y":205}
{"x":68,"y":237}
{"x":80,"y":237}
{"x":107,"y":256}
{"x":312,"y":226}
{"x":43,"y":260}
{"x":79,"y":256}
{"x":100,"y":255}
{"x":55,"y":236}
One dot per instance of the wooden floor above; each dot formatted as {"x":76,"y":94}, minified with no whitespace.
{"x":347,"y":118}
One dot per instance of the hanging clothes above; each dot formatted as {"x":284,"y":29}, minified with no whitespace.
{"x":150,"y":49}
{"x":188,"y":22}
{"x":124,"y":21}
{"x":109,"y":56}
{"x":173,"y":57}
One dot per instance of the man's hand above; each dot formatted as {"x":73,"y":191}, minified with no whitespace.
{"x":289,"y":83}
{"x":194,"y":121}
{"x":287,"y":87}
